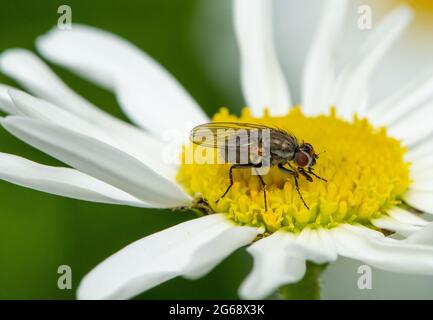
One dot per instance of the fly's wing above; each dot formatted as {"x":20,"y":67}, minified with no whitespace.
{"x":239,"y":142}
{"x":229,"y":134}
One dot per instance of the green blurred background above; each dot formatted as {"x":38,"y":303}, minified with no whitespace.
{"x":39,"y":232}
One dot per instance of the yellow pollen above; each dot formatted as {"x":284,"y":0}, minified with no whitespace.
{"x":421,"y":5}
{"x":364,"y":167}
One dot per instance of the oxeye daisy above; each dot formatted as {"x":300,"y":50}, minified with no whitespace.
{"x":377,"y":161}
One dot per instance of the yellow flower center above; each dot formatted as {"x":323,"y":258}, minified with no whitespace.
{"x":422,"y":5}
{"x":365,"y":171}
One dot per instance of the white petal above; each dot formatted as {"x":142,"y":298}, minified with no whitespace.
{"x":319,"y":72}
{"x":148,"y":94}
{"x":423,"y":236}
{"x":6,"y":104}
{"x":263,"y":82}
{"x":98,"y":160}
{"x":351,"y":90}
{"x":402,"y":102}
{"x":24,"y":104}
{"x":421,"y":200}
{"x":40,"y":109}
{"x":65,"y":182}
{"x":277,"y":261}
{"x":212,"y":253}
{"x":394,"y":225}
{"x":317,"y":245}
{"x":162,"y":256}
{"x":420,"y":150}
{"x":415,"y":126}
{"x":32,"y":73}
{"x":422,"y":180}
{"x":384,"y":253}
{"x":407,"y":217}
{"x":366,"y":231}
{"x":421,"y":166}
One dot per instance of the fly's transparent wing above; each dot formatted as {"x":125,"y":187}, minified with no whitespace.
{"x":229,"y":134}
{"x":244,"y":142}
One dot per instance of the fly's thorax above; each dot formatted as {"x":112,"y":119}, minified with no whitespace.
{"x":282,"y":146}
{"x":281,"y":156}
{"x":276,"y":160}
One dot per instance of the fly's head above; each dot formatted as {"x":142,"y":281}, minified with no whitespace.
{"x":305,"y":156}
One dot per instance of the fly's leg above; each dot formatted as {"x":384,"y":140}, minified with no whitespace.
{"x":305,"y":174}
{"x":299,"y":192}
{"x":237,"y":166}
{"x":295,"y":175}
{"x":287,"y":171}
{"x":310,"y":171}
{"x":263,"y":186}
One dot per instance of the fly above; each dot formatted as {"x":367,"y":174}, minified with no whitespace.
{"x":250,"y":145}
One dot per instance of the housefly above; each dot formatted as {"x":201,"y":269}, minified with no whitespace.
{"x":250,"y":145}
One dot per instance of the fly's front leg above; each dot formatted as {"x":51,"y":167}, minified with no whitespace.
{"x":301,"y":171}
{"x":310,"y":171}
{"x":288,"y":171}
{"x":296,"y":176}
{"x":305,"y":174}
{"x":236,"y":166}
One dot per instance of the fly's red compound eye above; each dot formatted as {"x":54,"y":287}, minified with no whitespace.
{"x":302,"y":159}
{"x":308,"y":148}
